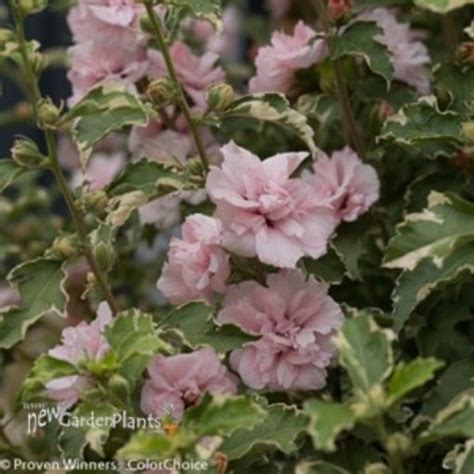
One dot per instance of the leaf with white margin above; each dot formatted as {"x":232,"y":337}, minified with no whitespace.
{"x":422,"y":123}
{"x":134,"y":340}
{"x":279,"y":429}
{"x":454,"y":421}
{"x":139,"y":183}
{"x":9,"y":171}
{"x":104,"y":109}
{"x":206,"y":9}
{"x":274,"y":108}
{"x":443,"y":6}
{"x":327,"y":421}
{"x":194,"y":323}
{"x":319,"y":467}
{"x":445,"y":225}
{"x":365,"y":352}
{"x":410,"y":376}
{"x":360,"y":39}
{"x":464,"y":462}
{"x":41,"y":286}
{"x":414,"y":286}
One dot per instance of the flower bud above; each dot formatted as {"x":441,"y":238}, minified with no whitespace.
{"x":399,"y":443}
{"x":465,"y":53}
{"x":145,"y":24}
{"x":376,"y":468}
{"x":104,"y":255}
{"x":161,"y":91}
{"x":220,"y":96}
{"x":25,"y":153}
{"x":66,"y":247}
{"x":48,"y":113}
{"x":28,"y":7}
{"x":468,"y":131}
{"x":96,"y":201}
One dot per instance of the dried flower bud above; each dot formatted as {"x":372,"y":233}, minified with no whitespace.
{"x":161,"y":91}
{"x":339,"y":9}
{"x":465,"y":53}
{"x":48,"y":113}
{"x":26,"y":153}
{"x":220,"y":96}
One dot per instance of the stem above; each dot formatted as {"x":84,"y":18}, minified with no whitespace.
{"x":50,"y":138}
{"x":449,"y":33}
{"x":396,"y":462}
{"x":183,"y":103}
{"x":349,"y":121}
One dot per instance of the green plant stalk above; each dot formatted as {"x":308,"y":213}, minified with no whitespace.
{"x":349,"y":121}
{"x":396,"y":463}
{"x":51,"y":144}
{"x":182,"y":101}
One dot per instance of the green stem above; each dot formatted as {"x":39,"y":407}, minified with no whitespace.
{"x":50,"y":138}
{"x":182,"y":101}
{"x":349,"y":121}
{"x":450,"y":34}
{"x":396,"y":462}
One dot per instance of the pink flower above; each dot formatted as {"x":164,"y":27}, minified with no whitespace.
{"x":101,"y":170}
{"x":195,"y":73}
{"x":296,"y":319}
{"x":79,"y":343}
{"x":163,"y":212}
{"x":276,"y":64}
{"x":92,"y":65}
{"x":197,"y":266}
{"x":410,"y":57}
{"x":264,"y":212}
{"x":179,"y":381}
{"x":345,"y":183}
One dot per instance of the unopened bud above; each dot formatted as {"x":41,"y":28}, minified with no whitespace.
{"x":145,"y":24}
{"x":6,"y":36}
{"x":119,"y":386}
{"x":468,"y":131}
{"x":399,"y":443}
{"x":465,"y":53}
{"x":25,"y":153}
{"x":376,"y":468}
{"x":161,"y":91}
{"x":28,"y":7}
{"x":339,"y":9}
{"x":48,"y":113}
{"x":96,"y":200}
{"x":220,"y":96}
{"x":104,"y":255}
{"x":66,"y":247}
{"x":195,"y":166}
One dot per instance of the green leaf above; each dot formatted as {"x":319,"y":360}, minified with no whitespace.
{"x":45,"y":368}
{"x":327,"y":421}
{"x":9,"y":171}
{"x":105,"y":109}
{"x":274,"y":108}
{"x":208,"y":9}
{"x":360,"y":39}
{"x":41,"y":286}
{"x":455,"y":379}
{"x":416,"y":285}
{"x":365,"y":351}
{"x":194,"y":321}
{"x":279,"y":429}
{"x":73,"y":439}
{"x":361,"y":5}
{"x":445,"y":225}
{"x":133,"y":338}
{"x":464,"y":462}
{"x":423,"y":124}
{"x":454,"y":421}
{"x":442,"y":6}
{"x":328,"y":268}
{"x":408,"y":377}
{"x":220,"y":415}
{"x":139,"y":183}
